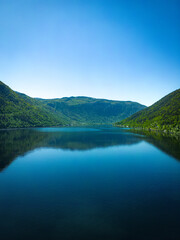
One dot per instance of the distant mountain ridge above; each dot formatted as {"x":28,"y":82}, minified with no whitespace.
{"x":19,"y":110}
{"x":89,"y":111}
{"x":162,"y":115}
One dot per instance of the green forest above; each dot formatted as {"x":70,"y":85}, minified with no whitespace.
{"x":19,"y":110}
{"x":163,"y":115}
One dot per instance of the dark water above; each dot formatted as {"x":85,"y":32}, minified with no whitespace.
{"x":76,"y":183}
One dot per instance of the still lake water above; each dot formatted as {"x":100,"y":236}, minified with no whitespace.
{"x":88,"y":183}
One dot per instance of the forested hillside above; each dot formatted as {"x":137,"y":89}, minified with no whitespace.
{"x":16,"y":111}
{"x":19,"y":110}
{"x":163,"y":115}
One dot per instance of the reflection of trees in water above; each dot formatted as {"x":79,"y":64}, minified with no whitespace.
{"x":169,"y":144}
{"x":14,"y":143}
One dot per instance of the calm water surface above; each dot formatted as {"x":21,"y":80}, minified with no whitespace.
{"x":88,"y":183}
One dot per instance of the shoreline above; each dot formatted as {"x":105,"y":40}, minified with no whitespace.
{"x":165,"y":131}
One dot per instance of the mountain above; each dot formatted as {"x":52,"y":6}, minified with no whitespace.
{"x":162,"y":115}
{"x":90,"y":111}
{"x":20,"y":110}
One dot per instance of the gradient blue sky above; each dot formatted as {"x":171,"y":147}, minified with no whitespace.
{"x":114,"y":49}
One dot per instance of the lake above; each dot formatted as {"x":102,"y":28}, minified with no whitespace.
{"x":89,"y":183}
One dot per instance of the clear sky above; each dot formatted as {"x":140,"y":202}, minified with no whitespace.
{"x":114,"y":49}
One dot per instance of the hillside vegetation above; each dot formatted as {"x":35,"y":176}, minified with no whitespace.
{"x":90,"y":111}
{"x":15,"y":111}
{"x":163,"y":115}
{"x":19,"y":110}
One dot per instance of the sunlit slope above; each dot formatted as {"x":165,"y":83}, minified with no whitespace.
{"x":163,"y":115}
{"x":15,"y":111}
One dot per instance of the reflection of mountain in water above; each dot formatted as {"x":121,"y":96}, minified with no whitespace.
{"x":169,"y":144}
{"x":15,"y":143}
{"x":18,"y":142}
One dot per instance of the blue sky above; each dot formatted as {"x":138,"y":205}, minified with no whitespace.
{"x":114,"y":49}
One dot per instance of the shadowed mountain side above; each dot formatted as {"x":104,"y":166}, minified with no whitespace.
{"x":167,"y":143}
{"x":14,"y":143}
